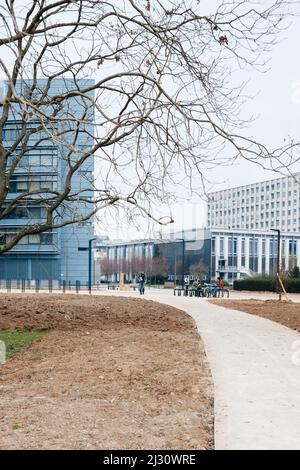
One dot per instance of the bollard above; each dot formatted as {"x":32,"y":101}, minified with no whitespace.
{"x":8,"y":285}
{"x":23,"y":285}
{"x":37,"y":286}
{"x":70,"y":287}
{"x":77,"y":287}
{"x":50,"y":286}
{"x":64,"y":284}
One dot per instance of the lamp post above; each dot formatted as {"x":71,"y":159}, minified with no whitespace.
{"x":183,"y":259}
{"x":90,"y":264}
{"x":278,"y":287}
{"x":89,"y":249}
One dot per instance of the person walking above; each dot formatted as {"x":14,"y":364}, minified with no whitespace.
{"x":142,"y":283}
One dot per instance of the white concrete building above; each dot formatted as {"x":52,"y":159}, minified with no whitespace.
{"x":242,"y":253}
{"x":258,"y":206}
{"x":230,"y":254}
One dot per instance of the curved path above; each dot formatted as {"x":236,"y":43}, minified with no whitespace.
{"x":257,"y":383}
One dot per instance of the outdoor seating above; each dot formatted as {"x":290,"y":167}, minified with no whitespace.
{"x":112,"y":286}
{"x":178,"y":290}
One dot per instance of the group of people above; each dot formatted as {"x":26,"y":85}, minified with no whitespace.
{"x":209,"y":289}
{"x":218,"y":285}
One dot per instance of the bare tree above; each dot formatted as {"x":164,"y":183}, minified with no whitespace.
{"x":199,"y":270}
{"x":159,"y":266}
{"x":137,"y":265}
{"x":108,"y":267}
{"x":161,"y":106}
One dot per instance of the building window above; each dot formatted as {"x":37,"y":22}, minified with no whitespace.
{"x":6,"y":234}
{"x":222,"y":246}
{"x":20,"y":184}
{"x":38,"y":157}
{"x":292,"y":247}
{"x":213,"y":245}
{"x":26,"y":212}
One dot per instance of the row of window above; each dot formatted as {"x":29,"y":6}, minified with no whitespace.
{"x":257,"y":208}
{"x":23,"y":212}
{"x":21,"y":184}
{"x":273,"y":196}
{"x":40,"y":157}
{"x":261,"y":187}
{"x":267,"y":216}
{"x":289,"y":226}
{"x":12,"y":134}
{"x":45,"y":238}
{"x":232,"y":247}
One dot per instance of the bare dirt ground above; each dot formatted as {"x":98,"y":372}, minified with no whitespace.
{"x":286,"y":313}
{"x":111,"y":373}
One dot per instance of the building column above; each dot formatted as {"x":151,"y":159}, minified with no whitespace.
{"x":298,"y":252}
{"x":217,"y":253}
{"x":247,"y":253}
{"x":286,"y":254}
{"x":259,"y":256}
{"x":267,"y":256}
{"x":239,"y":256}
{"x":217,"y":246}
{"x":226,"y":256}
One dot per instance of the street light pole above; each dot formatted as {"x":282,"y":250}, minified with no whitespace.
{"x":90,"y":264}
{"x":183,"y":259}
{"x":183,"y":262}
{"x":278,"y":287}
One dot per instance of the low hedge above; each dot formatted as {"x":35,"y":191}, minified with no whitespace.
{"x":293,"y":285}
{"x":266,"y":284}
{"x":256,"y":283}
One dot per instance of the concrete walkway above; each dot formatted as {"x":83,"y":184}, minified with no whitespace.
{"x":257,"y":384}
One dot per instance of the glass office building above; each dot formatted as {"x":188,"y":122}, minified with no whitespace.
{"x":51,"y":255}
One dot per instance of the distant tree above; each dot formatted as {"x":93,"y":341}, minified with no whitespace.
{"x":107,"y":267}
{"x":199,"y":270}
{"x":159,"y":269}
{"x":156,"y":251}
{"x":137,"y":265}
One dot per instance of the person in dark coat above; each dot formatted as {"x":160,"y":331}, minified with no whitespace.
{"x":142,"y":283}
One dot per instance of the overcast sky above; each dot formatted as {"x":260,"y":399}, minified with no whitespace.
{"x":277,"y":107}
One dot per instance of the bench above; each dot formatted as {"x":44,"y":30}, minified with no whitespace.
{"x":196,"y":293}
{"x":112,"y":286}
{"x":218,"y":293}
{"x":179,"y":290}
{"x":222,"y":292}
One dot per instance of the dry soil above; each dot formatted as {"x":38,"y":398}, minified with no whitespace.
{"x":111,"y":373}
{"x":285,"y":312}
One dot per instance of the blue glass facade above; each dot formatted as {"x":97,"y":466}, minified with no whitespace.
{"x":52,"y":254}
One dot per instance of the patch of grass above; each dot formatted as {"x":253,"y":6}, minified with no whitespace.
{"x":16,"y":340}
{"x":15,"y":427}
